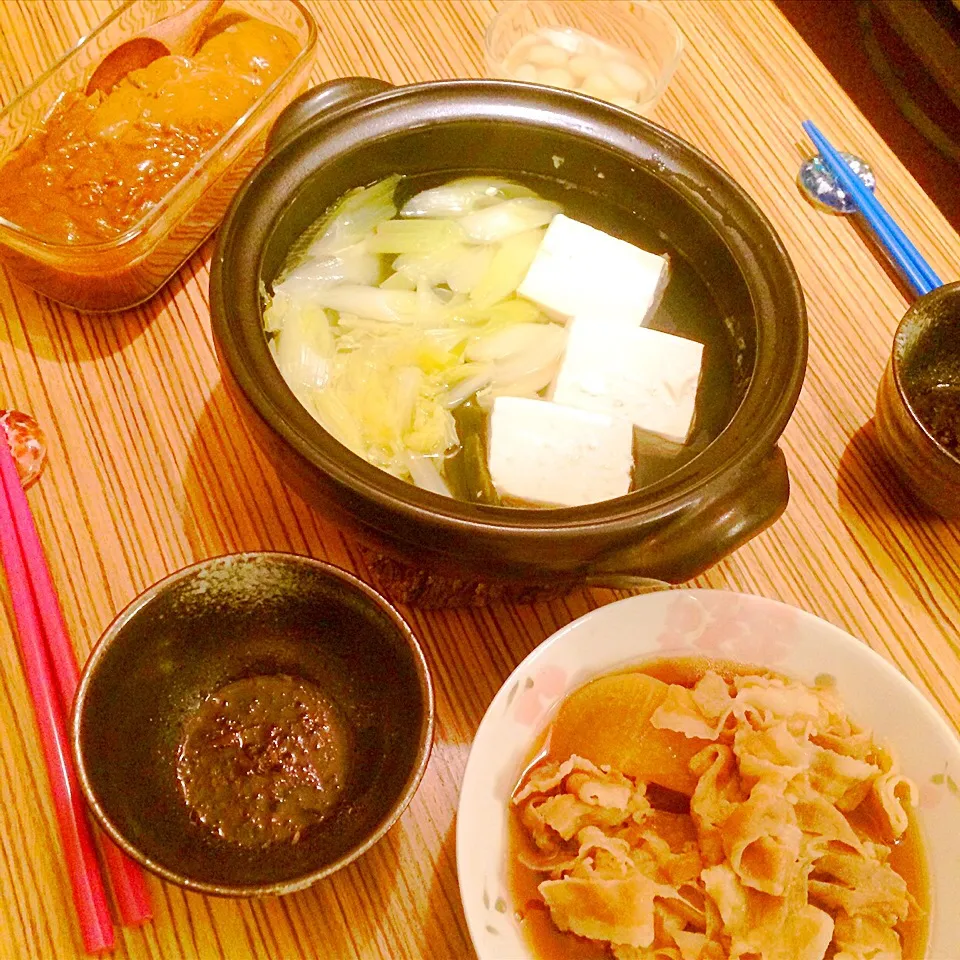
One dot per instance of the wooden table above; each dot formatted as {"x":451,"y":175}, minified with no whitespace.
{"x":150,"y":469}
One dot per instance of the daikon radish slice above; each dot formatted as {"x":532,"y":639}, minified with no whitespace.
{"x":607,"y":721}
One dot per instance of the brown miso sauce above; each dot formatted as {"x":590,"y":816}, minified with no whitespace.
{"x":99,"y":163}
{"x":263,"y":759}
{"x":546,"y":942}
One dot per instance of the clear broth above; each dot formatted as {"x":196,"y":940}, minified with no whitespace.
{"x":546,"y":942}
{"x":687,"y":309}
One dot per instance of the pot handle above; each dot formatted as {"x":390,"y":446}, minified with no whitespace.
{"x":688,"y":543}
{"x":318,"y":100}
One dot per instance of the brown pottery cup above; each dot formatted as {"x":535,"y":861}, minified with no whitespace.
{"x":923,"y":443}
{"x":249,"y":615}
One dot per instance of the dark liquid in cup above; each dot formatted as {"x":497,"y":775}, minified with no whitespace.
{"x":938,"y":409}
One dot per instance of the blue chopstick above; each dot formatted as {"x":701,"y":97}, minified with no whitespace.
{"x":917,"y":272}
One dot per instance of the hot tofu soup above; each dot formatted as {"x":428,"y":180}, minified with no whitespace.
{"x":486,"y":342}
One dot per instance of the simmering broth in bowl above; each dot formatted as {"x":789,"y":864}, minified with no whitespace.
{"x":607,"y":170}
{"x":400,"y":328}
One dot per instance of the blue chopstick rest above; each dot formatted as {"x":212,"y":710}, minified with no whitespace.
{"x":821,"y":186}
{"x":902,"y":253}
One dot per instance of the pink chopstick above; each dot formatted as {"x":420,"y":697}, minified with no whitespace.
{"x":89,"y":896}
{"x":44,"y":641}
{"x":129,"y":886}
{"x":126,"y":878}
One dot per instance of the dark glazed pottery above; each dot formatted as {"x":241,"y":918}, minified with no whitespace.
{"x":606,"y":165}
{"x":223,"y":620}
{"x":925,"y":355}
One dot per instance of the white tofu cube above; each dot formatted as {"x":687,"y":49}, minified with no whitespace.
{"x":546,"y":453}
{"x":579,"y":269}
{"x":645,"y":376}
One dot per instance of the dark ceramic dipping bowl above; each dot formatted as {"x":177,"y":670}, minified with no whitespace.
{"x":222,"y":620}
{"x":918,"y":403}
{"x":624,"y":174}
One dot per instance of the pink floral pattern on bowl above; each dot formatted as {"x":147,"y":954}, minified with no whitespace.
{"x":717,"y":624}
{"x":930,"y":795}
{"x":936,"y":789}
{"x":723,"y":626}
{"x":538,"y":694}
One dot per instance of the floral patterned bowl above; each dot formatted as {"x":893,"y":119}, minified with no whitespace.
{"x":717,"y":624}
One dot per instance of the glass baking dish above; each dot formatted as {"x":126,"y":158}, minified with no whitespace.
{"x":131,"y":268}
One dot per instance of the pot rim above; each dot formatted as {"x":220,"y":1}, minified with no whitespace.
{"x":610,"y":130}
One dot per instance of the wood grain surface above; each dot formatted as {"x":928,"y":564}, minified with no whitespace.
{"x":150,"y":468}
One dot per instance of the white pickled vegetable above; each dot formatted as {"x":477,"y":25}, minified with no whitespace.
{"x":462,"y":196}
{"x":574,"y":60}
{"x":547,"y":55}
{"x":556,"y":77}
{"x":599,"y":85}
{"x":583,"y":64}
{"x":631,"y":81}
{"x":569,"y":40}
{"x":503,"y":220}
{"x":526,"y":72}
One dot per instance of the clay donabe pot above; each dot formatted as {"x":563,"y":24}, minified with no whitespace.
{"x":626,"y":175}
